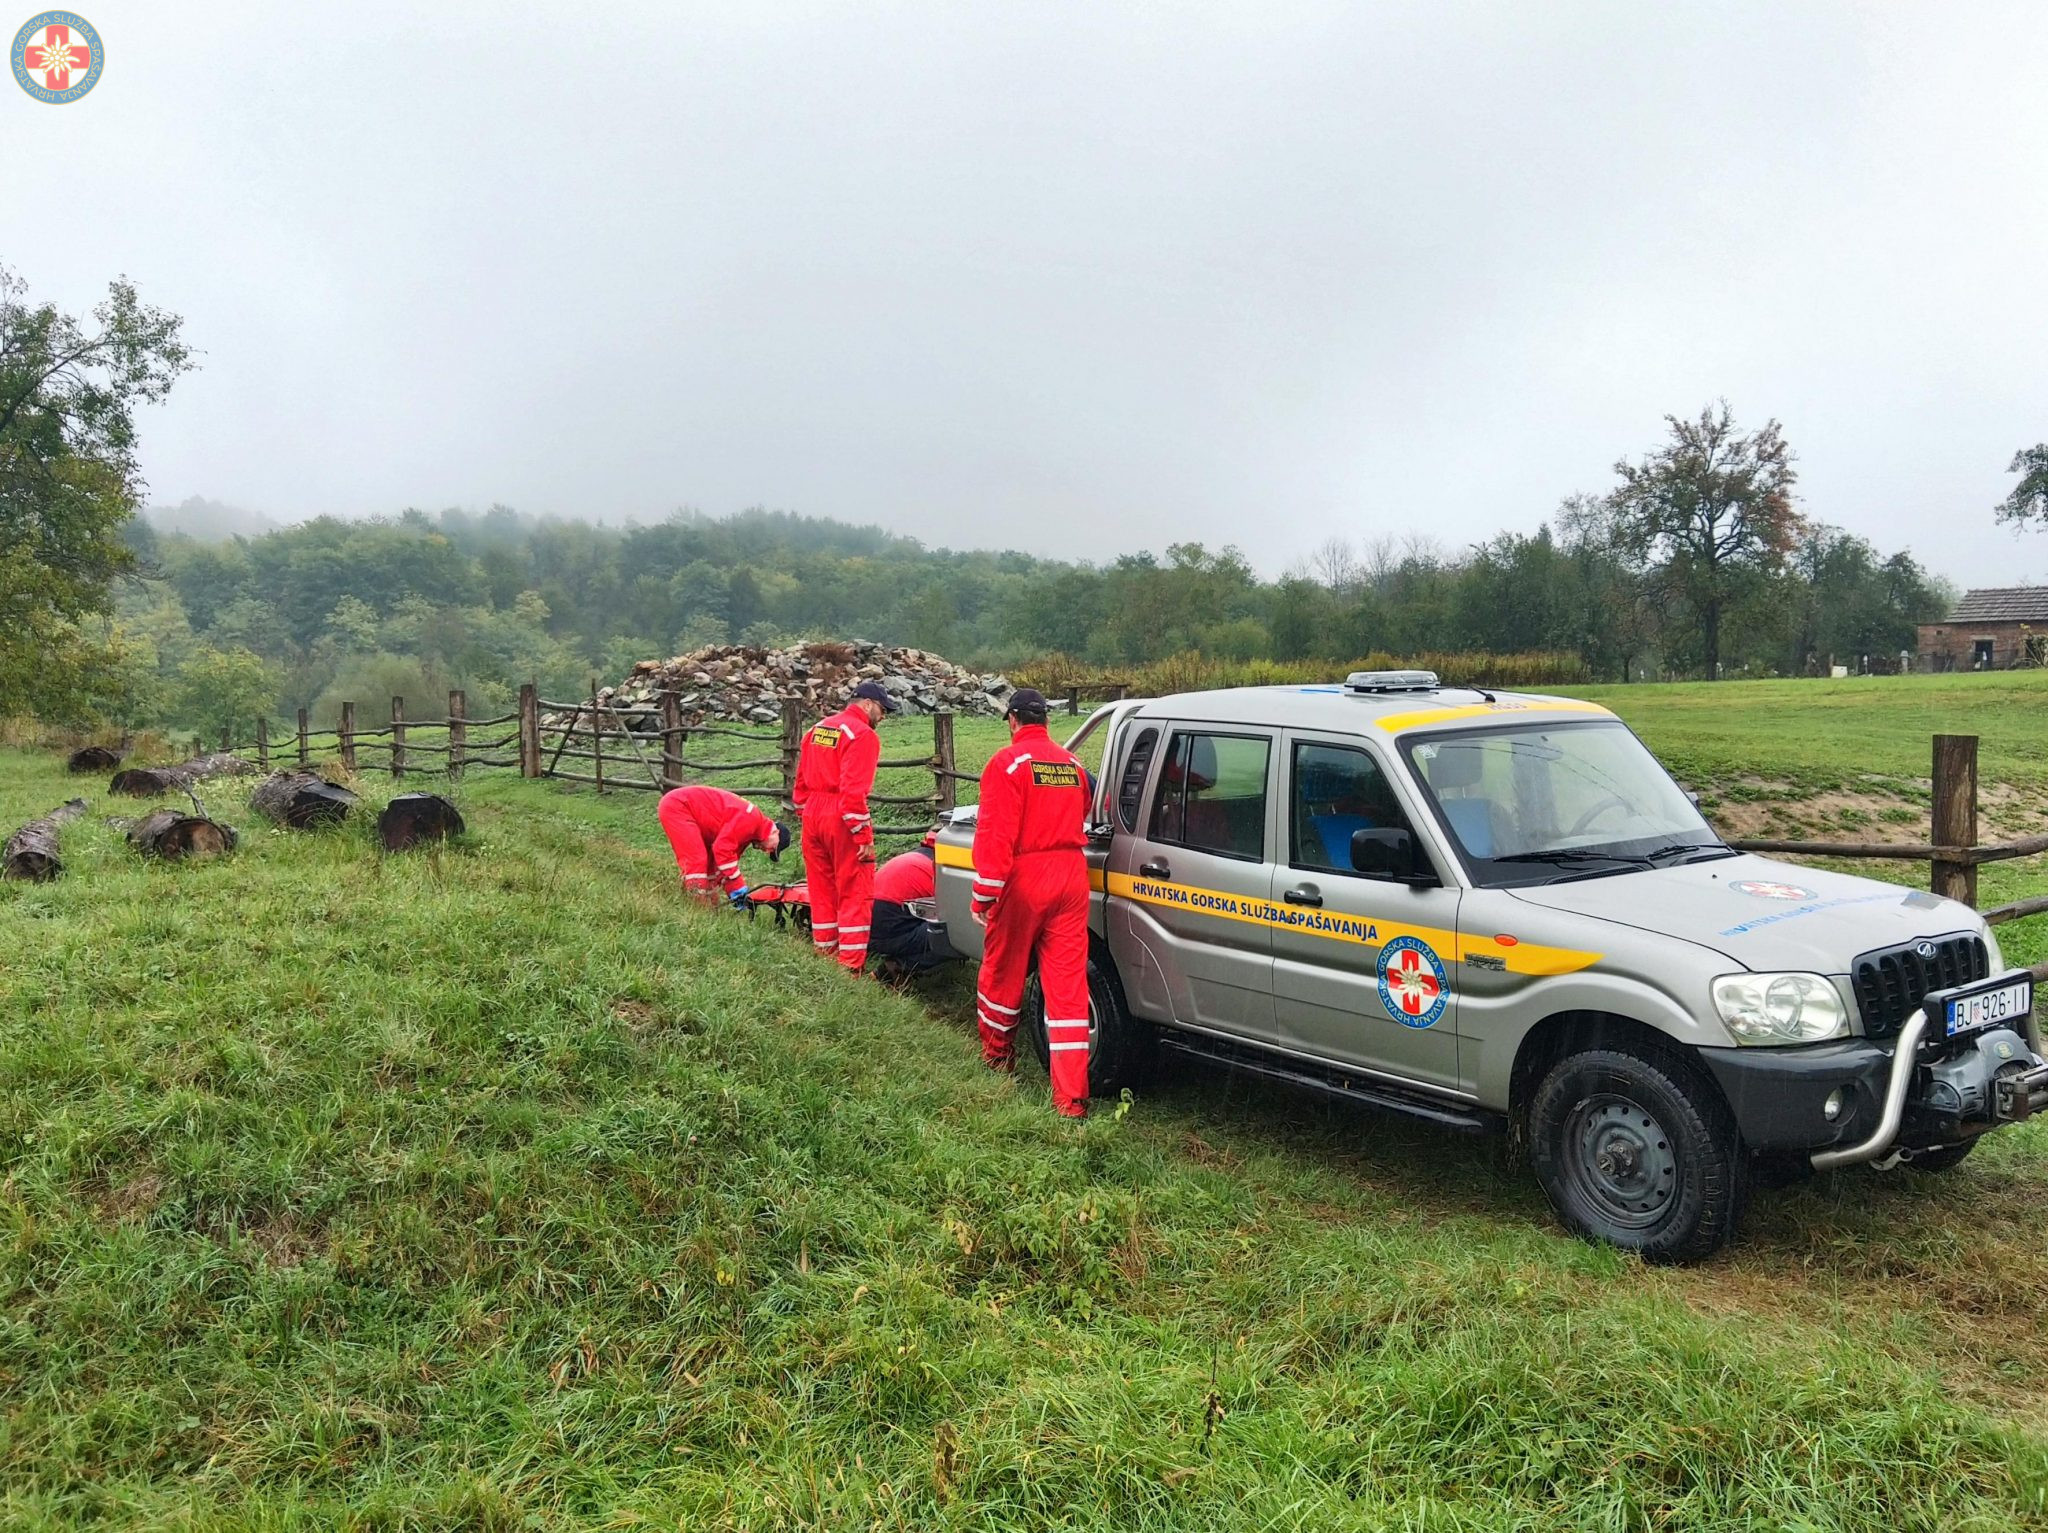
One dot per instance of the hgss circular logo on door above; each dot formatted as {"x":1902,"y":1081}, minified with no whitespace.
{"x":57,"y":57}
{"x":1413,"y":986}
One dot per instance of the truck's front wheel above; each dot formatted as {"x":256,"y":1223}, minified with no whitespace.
{"x":1638,"y":1150}
{"x":1119,"y":1046}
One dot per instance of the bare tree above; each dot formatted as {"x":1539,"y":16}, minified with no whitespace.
{"x":1334,"y":565}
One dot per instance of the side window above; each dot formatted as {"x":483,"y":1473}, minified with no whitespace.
{"x":1130,"y":783}
{"x":1212,"y":794}
{"x":1337,"y":789}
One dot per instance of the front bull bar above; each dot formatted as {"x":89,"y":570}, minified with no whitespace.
{"x":2015,"y":1097}
{"x":1905,"y":1057}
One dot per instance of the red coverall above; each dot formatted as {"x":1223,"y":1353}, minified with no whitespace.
{"x":835,"y":773}
{"x":709,"y":828}
{"x":1031,"y":883}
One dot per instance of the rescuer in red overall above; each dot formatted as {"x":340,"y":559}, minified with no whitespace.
{"x":709,"y":828}
{"x":1031,"y":893}
{"x":834,"y":775}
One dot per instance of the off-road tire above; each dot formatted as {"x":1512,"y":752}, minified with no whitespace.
{"x":1942,"y":1158}
{"x":1636,"y":1148}
{"x":1120,"y":1046}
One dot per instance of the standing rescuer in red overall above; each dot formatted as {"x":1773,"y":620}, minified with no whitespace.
{"x":709,"y":828}
{"x":1031,"y":893}
{"x":835,"y":773}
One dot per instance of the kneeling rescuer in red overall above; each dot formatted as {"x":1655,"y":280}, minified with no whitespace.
{"x":1031,"y":893}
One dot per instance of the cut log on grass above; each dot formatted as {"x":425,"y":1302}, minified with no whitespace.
{"x":149,"y":782}
{"x":300,"y":800}
{"x":95,"y":758}
{"x":168,"y":834}
{"x":31,"y":852}
{"x":415,"y":817}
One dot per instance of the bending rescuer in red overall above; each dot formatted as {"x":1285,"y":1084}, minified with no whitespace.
{"x":709,"y":828}
{"x":835,"y":773}
{"x":1031,"y":893}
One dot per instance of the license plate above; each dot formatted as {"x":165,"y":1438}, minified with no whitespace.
{"x":2005,"y":1001}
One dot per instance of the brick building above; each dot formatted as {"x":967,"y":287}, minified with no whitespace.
{"x":1990,"y":630}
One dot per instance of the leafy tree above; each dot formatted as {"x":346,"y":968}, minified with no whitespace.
{"x":69,"y":482}
{"x":1716,"y":507}
{"x":225,"y":689}
{"x":2028,"y":501}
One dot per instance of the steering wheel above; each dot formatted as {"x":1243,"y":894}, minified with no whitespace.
{"x":1612,"y":801}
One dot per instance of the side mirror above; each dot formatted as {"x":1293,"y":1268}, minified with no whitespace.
{"x":1390,"y":854}
{"x":1692,"y":796}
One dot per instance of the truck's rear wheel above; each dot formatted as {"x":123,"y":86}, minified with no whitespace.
{"x":1638,"y":1151}
{"x":1119,"y":1046}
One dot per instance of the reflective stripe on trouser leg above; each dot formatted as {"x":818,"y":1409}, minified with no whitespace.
{"x":854,"y":878}
{"x":821,"y":833}
{"x":1063,"y":974}
{"x":1005,"y":960}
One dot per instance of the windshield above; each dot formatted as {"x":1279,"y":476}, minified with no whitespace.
{"x":1544,"y":803}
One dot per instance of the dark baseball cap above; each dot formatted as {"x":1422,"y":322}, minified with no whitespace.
{"x":875,"y":692}
{"x":1028,"y":704}
{"x":783,"y":836}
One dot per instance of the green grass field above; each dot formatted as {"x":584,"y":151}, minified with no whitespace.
{"x":494,"y":1189}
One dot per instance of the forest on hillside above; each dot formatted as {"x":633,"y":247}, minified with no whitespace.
{"x":207,"y":631}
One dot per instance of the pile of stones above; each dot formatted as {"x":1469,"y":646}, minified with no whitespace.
{"x":742,"y":684}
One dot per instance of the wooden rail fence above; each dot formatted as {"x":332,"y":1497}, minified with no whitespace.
{"x":1953,"y":853}
{"x":609,"y":747}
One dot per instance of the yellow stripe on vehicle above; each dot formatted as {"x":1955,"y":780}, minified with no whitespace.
{"x":1394,"y":723}
{"x":1531,"y":958}
{"x":963,"y":857}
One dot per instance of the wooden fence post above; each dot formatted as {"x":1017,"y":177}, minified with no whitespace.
{"x":1073,"y":700}
{"x":529,"y":730}
{"x":227,"y":738}
{"x":942,"y":760}
{"x":458,"y":732}
{"x":1955,"y":814}
{"x":305,"y":755}
{"x":792,"y":745}
{"x":596,"y":737}
{"x":671,"y":740}
{"x":347,"y":734}
{"x":397,"y":737}
{"x":263,"y":742}
{"x":198,"y":746}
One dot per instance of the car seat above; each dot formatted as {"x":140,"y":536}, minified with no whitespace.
{"x":1452,"y":773}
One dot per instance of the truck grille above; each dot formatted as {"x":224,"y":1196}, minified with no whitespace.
{"x":1889,"y":982}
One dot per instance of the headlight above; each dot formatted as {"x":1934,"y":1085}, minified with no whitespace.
{"x":1780,"y":1008}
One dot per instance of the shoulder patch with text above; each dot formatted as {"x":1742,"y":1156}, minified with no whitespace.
{"x":1055,"y":774}
{"x":825,"y":737}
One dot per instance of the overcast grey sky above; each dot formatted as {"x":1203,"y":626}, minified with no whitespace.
{"x":1077,"y":279}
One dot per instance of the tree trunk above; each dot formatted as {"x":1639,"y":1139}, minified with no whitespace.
{"x":415,"y":817}
{"x":168,"y":834}
{"x":31,"y":852}
{"x":95,"y":758}
{"x":301,"y":800}
{"x":149,"y":782}
{"x":1713,"y":638}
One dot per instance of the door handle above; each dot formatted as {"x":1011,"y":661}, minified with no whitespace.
{"x":1307,"y":894}
{"x":1156,"y":868}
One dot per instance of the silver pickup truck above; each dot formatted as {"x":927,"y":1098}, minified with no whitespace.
{"x":1497,"y":911}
